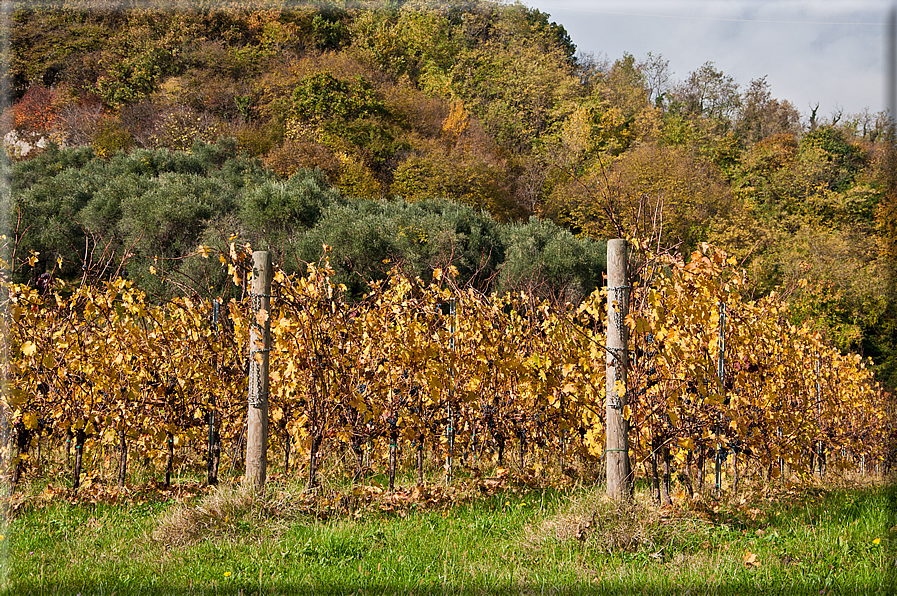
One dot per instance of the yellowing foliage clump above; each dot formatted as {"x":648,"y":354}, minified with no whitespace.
{"x":413,"y":359}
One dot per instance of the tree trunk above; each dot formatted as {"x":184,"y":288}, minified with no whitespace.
{"x":123,"y":457}
{"x":718,"y":469}
{"x":79,"y":452}
{"x":23,"y":440}
{"x":259,"y":360}
{"x":420,"y":459}
{"x":216,"y":457}
{"x":450,"y":457}
{"x":169,"y":465}
{"x":700,"y":474}
{"x":211,"y":476}
{"x":68,"y":445}
{"x":735,"y":472}
{"x":39,"y":458}
{"x":655,"y":478}
{"x":562,"y":463}
{"x":313,"y":459}
{"x":359,"y":459}
{"x":687,"y":479}
{"x":665,"y":493}
{"x":392,"y":461}
{"x":562,"y":460}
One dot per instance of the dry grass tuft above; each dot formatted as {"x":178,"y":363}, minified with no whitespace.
{"x":599,"y":522}
{"x":608,"y":526}
{"x":226,"y":510}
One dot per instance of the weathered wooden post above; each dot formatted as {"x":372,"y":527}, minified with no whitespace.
{"x":259,"y":349}
{"x":619,"y":477}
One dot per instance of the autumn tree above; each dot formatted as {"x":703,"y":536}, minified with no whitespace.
{"x":700,"y":113}
{"x":761,"y":115}
{"x":36,"y":112}
{"x":653,"y":191}
{"x":707,"y":92}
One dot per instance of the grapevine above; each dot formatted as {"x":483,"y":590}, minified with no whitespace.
{"x":427,"y":368}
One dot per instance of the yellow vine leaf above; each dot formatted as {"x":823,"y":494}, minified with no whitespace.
{"x":29,"y":420}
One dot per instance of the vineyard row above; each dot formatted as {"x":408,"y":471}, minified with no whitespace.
{"x":437,"y":370}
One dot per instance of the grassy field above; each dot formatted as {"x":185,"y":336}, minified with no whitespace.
{"x":475,"y":538}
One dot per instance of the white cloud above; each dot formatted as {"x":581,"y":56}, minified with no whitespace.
{"x":828,"y":52}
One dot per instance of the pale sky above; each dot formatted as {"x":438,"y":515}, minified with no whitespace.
{"x":826,"y":52}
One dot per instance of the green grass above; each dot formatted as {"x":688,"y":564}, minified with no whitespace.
{"x":544,"y":541}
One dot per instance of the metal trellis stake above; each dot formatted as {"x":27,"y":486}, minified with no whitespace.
{"x":450,"y":430}
{"x":211,"y":463}
{"x":820,"y":446}
{"x":721,"y":375}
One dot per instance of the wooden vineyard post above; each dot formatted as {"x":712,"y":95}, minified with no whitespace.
{"x":259,"y":348}
{"x":617,"y":440}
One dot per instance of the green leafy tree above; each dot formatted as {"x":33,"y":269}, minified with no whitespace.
{"x":843,"y":160}
{"x":141,"y":54}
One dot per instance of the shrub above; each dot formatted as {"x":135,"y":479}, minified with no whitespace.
{"x":36,"y":111}
{"x":292,"y":156}
{"x":111,"y":137}
{"x":180,"y":126}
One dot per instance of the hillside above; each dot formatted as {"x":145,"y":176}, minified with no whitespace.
{"x":481,"y":104}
